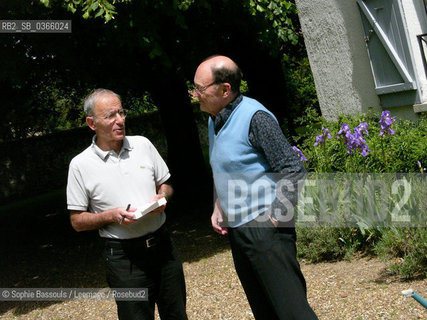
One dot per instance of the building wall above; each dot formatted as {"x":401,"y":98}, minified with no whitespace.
{"x":336,"y":49}
{"x":414,"y":12}
{"x":338,"y":57}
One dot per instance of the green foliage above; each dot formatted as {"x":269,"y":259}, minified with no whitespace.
{"x":389,"y":153}
{"x":91,"y":8}
{"x":404,"y":250}
{"x":319,"y":244}
{"x":55,"y":107}
{"x":159,"y":40}
{"x":185,"y":4}
{"x":341,"y":213}
{"x":138,"y":105}
{"x":64,"y":104}
{"x":300,"y":79}
{"x":244,"y":87}
{"x":52,"y":107}
{"x":277,"y":11}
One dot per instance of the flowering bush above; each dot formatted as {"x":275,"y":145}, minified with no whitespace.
{"x":355,"y":140}
{"x":386,"y":121}
{"x":320,"y":139}
{"x":377,"y":144}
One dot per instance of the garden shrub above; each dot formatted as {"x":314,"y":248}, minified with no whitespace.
{"x":301,"y":82}
{"x":404,"y":250}
{"x":319,"y":244}
{"x":399,"y":152}
{"x":400,"y":148}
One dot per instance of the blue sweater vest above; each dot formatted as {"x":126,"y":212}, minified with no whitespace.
{"x":243,"y":185}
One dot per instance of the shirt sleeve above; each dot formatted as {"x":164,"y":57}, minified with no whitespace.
{"x":77,"y":197}
{"x":161,"y":170}
{"x":267,"y":137}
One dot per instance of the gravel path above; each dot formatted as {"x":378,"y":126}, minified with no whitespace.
{"x":50,"y":254}
{"x":340,"y":290}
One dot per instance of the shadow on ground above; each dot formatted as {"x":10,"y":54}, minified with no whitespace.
{"x":39,"y":249}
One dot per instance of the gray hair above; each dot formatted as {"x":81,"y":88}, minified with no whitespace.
{"x":91,"y":98}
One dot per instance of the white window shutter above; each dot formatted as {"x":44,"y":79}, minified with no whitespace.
{"x":389,"y":52}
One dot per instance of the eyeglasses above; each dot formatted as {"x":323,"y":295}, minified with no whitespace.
{"x":112,"y":116}
{"x":200,"y":90}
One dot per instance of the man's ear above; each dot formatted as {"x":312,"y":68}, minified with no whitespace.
{"x":91,"y":123}
{"x":226,"y":89}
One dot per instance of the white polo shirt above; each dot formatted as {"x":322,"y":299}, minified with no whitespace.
{"x":102,"y":180}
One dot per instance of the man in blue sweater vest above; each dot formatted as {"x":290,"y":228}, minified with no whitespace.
{"x":256,"y":175}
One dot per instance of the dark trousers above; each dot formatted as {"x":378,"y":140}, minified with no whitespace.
{"x":154,"y":265}
{"x":265,"y":261}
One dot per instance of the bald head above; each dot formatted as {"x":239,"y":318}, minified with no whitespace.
{"x":224,"y":70}
{"x":217,"y":83}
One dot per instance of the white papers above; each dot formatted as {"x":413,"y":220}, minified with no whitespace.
{"x":148,"y":207}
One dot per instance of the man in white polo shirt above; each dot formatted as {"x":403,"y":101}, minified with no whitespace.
{"x":107,"y":182}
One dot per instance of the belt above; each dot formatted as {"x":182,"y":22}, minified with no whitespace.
{"x":148,"y":240}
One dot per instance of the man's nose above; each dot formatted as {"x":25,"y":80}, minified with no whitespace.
{"x":119,"y":119}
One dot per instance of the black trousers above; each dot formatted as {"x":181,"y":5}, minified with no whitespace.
{"x":150,"y":262}
{"x":266,"y":263}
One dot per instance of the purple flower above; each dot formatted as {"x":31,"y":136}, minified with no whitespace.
{"x":321,"y":137}
{"x":299,"y":153}
{"x":362,"y":127}
{"x":327,"y":133}
{"x":355,"y":140}
{"x":365,"y":150}
{"x":385,"y":122}
{"x":344,"y":129}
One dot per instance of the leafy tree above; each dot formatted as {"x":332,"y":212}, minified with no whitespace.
{"x":135,"y":47}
